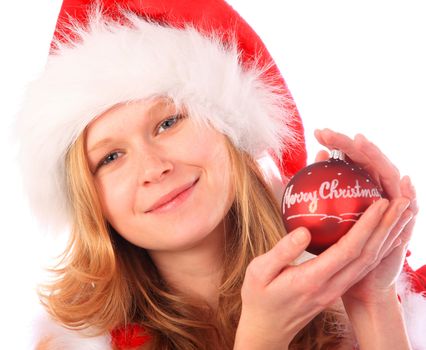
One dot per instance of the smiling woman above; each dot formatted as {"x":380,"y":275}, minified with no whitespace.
{"x":158,"y":179}
{"x":176,"y":239}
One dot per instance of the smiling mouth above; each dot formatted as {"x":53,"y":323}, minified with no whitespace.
{"x":174,"y":202}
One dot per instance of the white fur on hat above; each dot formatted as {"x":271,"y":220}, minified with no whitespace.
{"x":112,"y":63}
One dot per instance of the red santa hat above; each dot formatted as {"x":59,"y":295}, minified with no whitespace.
{"x":201,"y":54}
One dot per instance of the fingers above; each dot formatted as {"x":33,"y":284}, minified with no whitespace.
{"x":369,"y":156}
{"x":389,"y":175}
{"x":366,"y":154}
{"x":391,"y":252}
{"x":335,"y":140}
{"x":333,"y":272}
{"x":350,"y":246}
{"x":265,"y":268}
{"x":372,"y":253}
{"x":322,"y":155}
{"x":399,"y":217}
{"x":398,"y":234}
{"x":391,"y":226}
{"x":408,"y":191}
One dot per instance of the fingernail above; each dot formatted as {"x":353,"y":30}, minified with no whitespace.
{"x":317,"y":131}
{"x":410,"y":183}
{"x":299,"y":236}
{"x":408,"y":216}
{"x":403,"y":205}
{"x":383,"y":206}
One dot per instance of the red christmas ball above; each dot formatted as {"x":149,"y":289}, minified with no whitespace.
{"x":328,"y":198}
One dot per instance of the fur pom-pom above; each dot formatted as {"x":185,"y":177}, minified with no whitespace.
{"x":414,"y":306}
{"x":59,"y":337}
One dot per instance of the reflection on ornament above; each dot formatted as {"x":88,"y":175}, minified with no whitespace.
{"x":327,"y":198}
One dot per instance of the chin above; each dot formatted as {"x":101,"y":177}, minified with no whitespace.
{"x":182,"y":240}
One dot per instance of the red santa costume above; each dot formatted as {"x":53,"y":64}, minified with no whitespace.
{"x":200,"y":53}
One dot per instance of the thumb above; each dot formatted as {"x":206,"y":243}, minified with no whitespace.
{"x":322,"y":155}
{"x":283,"y":254}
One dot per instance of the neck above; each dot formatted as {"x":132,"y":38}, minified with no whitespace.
{"x":197,"y":270}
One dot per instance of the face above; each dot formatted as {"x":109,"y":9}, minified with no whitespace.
{"x":145,"y":153}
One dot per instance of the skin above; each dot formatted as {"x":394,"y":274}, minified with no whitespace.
{"x":372,"y":303}
{"x":151,"y":159}
{"x":361,"y":268}
{"x":43,"y":344}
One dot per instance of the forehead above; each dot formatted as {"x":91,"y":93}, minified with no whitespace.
{"x":146,"y":109}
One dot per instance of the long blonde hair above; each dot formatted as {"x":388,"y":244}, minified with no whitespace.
{"x":104,"y":282}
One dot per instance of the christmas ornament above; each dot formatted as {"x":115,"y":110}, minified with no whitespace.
{"x":328,"y":198}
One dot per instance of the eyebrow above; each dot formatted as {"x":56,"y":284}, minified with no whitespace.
{"x":108,"y":140}
{"x":99,"y":144}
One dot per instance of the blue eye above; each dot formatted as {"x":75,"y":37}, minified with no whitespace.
{"x":169,"y":122}
{"x":108,"y":159}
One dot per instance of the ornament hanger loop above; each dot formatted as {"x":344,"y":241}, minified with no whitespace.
{"x":337,"y":154}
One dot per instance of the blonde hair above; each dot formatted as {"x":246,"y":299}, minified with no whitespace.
{"x":104,"y":282}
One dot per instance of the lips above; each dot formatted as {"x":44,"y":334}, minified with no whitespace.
{"x":171,"y":195}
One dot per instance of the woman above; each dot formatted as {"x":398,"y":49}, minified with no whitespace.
{"x":135,"y":108}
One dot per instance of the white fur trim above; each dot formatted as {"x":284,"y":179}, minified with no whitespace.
{"x":63,"y":338}
{"x":414,"y":306}
{"x":113,"y":63}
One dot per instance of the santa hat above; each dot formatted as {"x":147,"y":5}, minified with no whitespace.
{"x":201,"y":54}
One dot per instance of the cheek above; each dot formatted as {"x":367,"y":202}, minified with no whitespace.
{"x":204,"y":145}
{"x":114,"y":199}
{"x":225,"y":181}
{"x":217,"y":164}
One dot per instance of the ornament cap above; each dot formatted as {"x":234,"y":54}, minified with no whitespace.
{"x":337,"y":154}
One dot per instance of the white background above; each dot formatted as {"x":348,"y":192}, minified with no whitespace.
{"x":356,"y":67}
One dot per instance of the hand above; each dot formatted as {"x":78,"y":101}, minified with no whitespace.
{"x":390,"y":257}
{"x":279,"y":299}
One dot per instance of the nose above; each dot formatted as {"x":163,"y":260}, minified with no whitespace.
{"x":152,"y":168}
